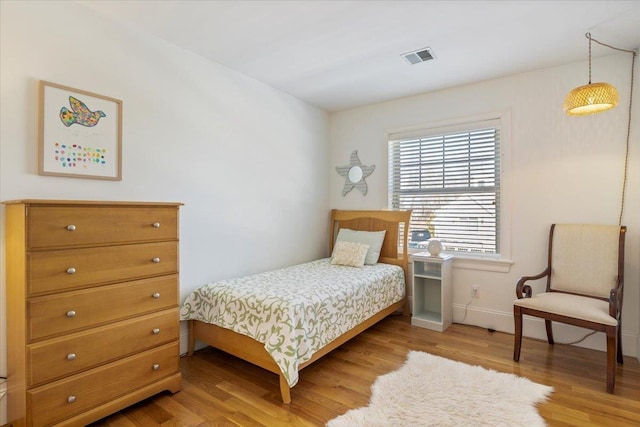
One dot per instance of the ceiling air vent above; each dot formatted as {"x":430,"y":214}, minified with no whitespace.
{"x":418,"y":56}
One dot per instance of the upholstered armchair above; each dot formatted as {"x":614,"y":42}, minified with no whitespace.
{"x":584,"y":288}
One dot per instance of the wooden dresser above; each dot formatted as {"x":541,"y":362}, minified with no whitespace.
{"x":92,"y":308}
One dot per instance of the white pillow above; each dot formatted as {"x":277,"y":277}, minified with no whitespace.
{"x":373,"y":239}
{"x":349,"y":253}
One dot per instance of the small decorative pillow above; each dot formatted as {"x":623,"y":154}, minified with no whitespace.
{"x":349,"y":253}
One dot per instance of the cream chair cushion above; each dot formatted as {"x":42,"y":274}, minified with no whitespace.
{"x":585,"y":308}
{"x":585,"y":258}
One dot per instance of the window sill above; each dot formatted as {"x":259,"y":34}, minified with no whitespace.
{"x":475,"y":263}
{"x":483,"y":264}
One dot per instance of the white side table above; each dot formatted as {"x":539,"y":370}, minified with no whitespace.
{"x":432,"y":303}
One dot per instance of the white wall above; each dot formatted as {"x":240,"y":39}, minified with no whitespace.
{"x":249,"y":162}
{"x":563,"y":169}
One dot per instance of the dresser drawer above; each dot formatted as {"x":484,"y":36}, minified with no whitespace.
{"x":60,"y":226}
{"x":77,"y":352}
{"x":65,"y":398}
{"x":71,"y":311}
{"x":55,"y":271}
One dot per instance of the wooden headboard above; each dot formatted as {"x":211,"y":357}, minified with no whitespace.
{"x":396,"y":223}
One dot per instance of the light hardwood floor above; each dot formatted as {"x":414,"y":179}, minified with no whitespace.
{"x":220,"y":390}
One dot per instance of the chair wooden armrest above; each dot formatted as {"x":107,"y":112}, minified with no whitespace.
{"x":524,"y":291}
{"x":615,"y":300}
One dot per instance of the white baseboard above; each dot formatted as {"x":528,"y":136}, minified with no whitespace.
{"x":184,"y":337}
{"x":534,"y":328}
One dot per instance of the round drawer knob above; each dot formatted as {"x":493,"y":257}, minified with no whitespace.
{"x":71,"y":313}
{"x":71,"y":356}
{"x":156,"y":366}
{"x":71,"y":270}
{"x":156,"y":331}
{"x":71,"y":227}
{"x":156,"y":225}
{"x":156,"y":295}
{"x":156,"y":260}
{"x":71,"y":399}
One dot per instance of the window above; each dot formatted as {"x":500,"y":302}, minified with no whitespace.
{"x":451,"y":179}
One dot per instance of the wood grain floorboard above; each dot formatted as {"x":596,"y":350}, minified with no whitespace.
{"x":221,"y":390}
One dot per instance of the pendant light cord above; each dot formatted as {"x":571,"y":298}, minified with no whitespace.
{"x":588,"y":35}
{"x":626,"y":153}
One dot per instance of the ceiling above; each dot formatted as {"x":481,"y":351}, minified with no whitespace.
{"x":338,"y":55}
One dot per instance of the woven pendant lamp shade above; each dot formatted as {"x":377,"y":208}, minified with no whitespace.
{"x":590,"y":99}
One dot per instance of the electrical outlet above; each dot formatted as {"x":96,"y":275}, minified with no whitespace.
{"x":475,"y":291}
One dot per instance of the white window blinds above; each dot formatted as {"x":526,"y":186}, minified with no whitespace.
{"x":451,"y":181}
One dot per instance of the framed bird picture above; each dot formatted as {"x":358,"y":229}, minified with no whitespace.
{"x":80,"y":133}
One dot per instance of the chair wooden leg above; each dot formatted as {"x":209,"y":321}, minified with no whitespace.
{"x":547,"y":325}
{"x":619,"y":352}
{"x":612,"y":336}
{"x":517,"y":316}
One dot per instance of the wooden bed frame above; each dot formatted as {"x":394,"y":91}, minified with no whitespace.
{"x":246,"y":348}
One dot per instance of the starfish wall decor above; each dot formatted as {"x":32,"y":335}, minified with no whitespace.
{"x":354,"y":174}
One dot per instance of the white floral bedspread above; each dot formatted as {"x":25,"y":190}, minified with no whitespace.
{"x":297,"y":310}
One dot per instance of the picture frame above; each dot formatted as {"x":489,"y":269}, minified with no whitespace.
{"x":79,"y":133}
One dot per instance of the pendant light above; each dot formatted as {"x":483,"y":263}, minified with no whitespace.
{"x":591,"y":98}
{"x":596,"y":97}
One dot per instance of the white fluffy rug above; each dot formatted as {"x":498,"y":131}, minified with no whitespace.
{"x":433,"y":391}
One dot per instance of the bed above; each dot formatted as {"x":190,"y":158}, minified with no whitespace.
{"x":286,"y":319}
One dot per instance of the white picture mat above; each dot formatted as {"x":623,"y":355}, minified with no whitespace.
{"x":73,"y":150}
